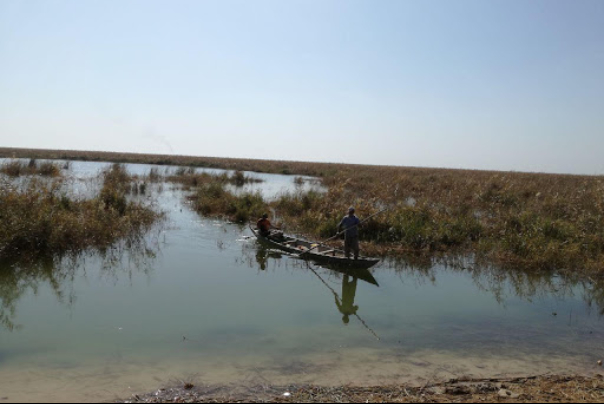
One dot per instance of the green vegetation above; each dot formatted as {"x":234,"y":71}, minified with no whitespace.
{"x":214,"y":200}
{"x":41,"y":219}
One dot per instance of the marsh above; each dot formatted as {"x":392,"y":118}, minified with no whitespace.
{"x":198,"y":298}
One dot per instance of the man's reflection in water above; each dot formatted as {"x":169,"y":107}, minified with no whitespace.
{"x":346,"y":306}
{"x":261,"y":258}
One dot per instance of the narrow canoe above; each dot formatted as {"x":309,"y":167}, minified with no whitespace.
{"x":319,"y":253}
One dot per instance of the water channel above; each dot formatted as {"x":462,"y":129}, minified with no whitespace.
{"x":201,"y":301}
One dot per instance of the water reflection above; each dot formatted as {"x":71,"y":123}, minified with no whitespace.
{"x":504,"y":284}
{"x":348,"y":277}
{"x":19,"y":277}
{"x":16,"y":279}
{"x":262,"y":258}
{"x":346,"y":305}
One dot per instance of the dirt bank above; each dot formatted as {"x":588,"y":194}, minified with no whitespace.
{"x":527,"y":389}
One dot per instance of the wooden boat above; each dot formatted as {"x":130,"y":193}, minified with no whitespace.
{"x":320,"y":253}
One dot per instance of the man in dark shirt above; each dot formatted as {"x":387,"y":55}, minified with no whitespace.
{"x":350,"y":224}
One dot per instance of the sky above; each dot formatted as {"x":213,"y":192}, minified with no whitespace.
{"x":511,"y":85}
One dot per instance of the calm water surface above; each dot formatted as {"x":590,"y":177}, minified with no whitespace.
{"x":200,"y":301}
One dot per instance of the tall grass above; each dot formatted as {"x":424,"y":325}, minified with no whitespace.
{"x":189,"y":178}
{"x":214,"y":200}
{"x":17,"y":168}
{"x":540,"y":221}
{"x":263,"y":166}
{"x":517,"y":220}
{"x":41,"y":219}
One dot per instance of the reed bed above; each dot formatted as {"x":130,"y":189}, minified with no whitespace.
{"x":18,"y":168}
{"x":41,"y":220}
{"x":189,"y":178}
{"x":538,"y":222}
{"x":520,"y":220}
{"x":261,"y":166}
{"x":213,"y":199}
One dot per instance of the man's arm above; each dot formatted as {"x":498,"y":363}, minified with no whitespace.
{"x":340,"y":225}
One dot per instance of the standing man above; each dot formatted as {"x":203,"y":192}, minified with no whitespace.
{"x":350,"y":224}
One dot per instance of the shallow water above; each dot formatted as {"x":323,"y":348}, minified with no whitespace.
{"x":82,"y":178}
{"x":201,"y":301}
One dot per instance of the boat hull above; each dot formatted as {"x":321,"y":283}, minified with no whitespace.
{"x":321,"y":254}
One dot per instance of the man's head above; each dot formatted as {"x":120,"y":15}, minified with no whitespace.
{"x":265,"y":216}
{"x":351,"y":211}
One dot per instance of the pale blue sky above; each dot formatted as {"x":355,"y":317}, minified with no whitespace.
{"x":506,"y":85}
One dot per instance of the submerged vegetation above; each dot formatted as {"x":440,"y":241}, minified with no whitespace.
{"x":42,"y":219}
{"x":520,"y":220}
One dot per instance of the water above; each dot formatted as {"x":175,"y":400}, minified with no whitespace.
{"x":200,"y":301}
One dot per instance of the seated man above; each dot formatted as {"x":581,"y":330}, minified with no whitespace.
{"x":265,"y":227}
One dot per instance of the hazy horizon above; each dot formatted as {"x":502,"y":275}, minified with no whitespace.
{"x":499,"y":85}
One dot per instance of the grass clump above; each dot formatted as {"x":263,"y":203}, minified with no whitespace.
{"x":17,"y":168}
{"x":190,"y":178}
{"x":212,"y":199}
{"x":42,"y":220}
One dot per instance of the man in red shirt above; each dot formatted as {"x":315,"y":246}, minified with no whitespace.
{"x":264,"y":225}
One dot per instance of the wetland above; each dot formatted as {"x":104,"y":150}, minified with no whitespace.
{"x":189,"y":295}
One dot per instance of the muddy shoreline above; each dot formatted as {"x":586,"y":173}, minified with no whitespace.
{"x":546,"y":388}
